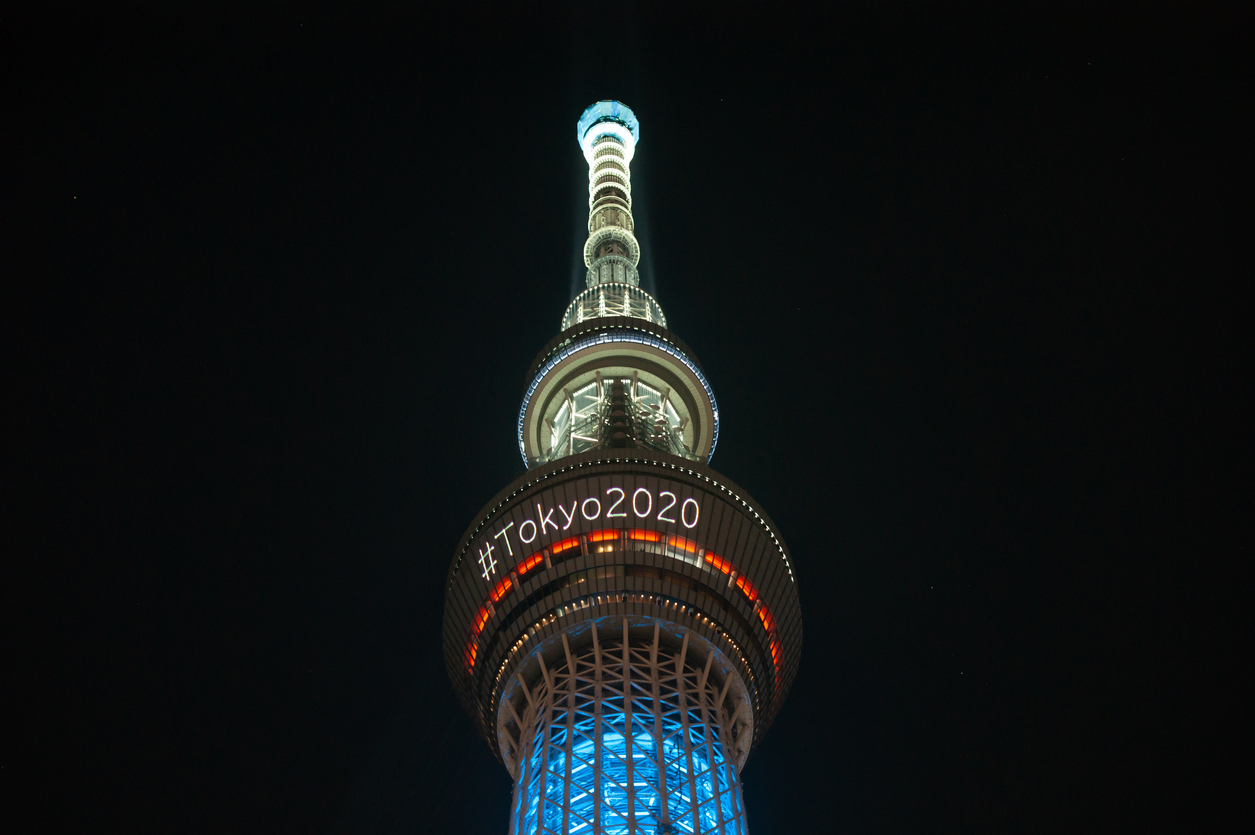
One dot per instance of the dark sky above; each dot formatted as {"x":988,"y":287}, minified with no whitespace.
{"x":965,"y":283}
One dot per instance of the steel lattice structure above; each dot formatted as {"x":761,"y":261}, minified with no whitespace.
{"x":628,"y":735}
{"x":621,"y":621}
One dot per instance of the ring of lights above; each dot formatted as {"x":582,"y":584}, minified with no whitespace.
{"x":627,"y":222}
{"x":600,"y":351}
{"x":599,"y":133}
{"x":617,"y":233}
{"x":609,"y":196}
{"x":607,"y":171}
{"x":607,"y":180}
{"x":631,"y":291}
{"x":612,"y":269}
{"x":607,"y":166}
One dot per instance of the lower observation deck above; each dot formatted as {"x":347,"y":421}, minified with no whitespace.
{"x":628,"y":536}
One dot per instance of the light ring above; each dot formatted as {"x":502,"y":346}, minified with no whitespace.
{"x":605,"y":339}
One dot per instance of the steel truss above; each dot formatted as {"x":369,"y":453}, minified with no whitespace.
{"x":626,"y":736}
{"x":583,"y":421}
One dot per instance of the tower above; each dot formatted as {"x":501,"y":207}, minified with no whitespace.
{"x":621,"y":621}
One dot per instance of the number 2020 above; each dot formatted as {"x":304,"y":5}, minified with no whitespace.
{"x":642,"y":505}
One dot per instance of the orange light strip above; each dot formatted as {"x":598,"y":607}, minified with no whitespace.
{"x":718,"y":562}
{"x":472,"y":647}
{"x":531,"y":562}
{"x":501,"y":588}
{"x":686,"y":544}
{"x":747,"y":588}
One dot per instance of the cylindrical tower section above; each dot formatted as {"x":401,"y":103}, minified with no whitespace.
{"x":632,"y":534}
{"x":627,"y":729}
{"x":608,"y":132}
{"x":613,"y":299}
{"x":566,"y":408}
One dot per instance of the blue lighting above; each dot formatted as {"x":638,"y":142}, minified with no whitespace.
{"x":608,"y":111}
{"x":627,"y":805}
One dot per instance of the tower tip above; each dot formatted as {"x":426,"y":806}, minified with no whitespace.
{"x":607,"y":117}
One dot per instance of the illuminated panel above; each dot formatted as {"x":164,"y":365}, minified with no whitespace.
{"x":535,"y":560}
{"x":559,"y":547}
{"x":747,"y":587}
{"x":677,"y":509}
{"x":644,"y":536}
{"x":499,"y":591}
{"x":602,"y":754}
{"x":472,"y":646}
{"x":764,"y":613}
{"x":603,"y":535}
{"x":682,"y":543}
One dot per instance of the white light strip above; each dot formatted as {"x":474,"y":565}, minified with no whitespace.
{"x":610,"y":128}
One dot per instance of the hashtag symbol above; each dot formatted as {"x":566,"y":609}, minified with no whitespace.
{"x":486,"y":561}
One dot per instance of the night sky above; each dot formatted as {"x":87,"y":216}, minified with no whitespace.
{"x":965,"y":282}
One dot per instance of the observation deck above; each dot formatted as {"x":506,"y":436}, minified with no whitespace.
{"x":611,"y":535}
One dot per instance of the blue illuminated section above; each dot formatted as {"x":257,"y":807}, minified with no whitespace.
{"x":606,"y":338}
{"x":608,"y":111}
{"x":714,"y":784}
{"x":596,"y":762}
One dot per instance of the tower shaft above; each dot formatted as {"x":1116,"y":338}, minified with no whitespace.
{"x":608,"y":132}
{"x":628,"y":734}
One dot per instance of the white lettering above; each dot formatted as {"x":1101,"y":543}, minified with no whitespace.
{"x":610,"y":514}
{"x":531,"y":538}
{"x":684,"y":513}
{"x":663,"y":510}
{"x":501,"y":533}
{"x":648,"y":507}
{"x":595,"y":513}
{"x":545,"y":518}
{"x":570,"y":517}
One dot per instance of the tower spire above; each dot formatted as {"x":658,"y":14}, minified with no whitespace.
{"x":608,"y":133}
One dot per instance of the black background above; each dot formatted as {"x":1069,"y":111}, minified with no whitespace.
{"x":965,"y":281}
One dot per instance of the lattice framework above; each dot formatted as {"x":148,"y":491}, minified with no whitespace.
{"x":627,"y":736}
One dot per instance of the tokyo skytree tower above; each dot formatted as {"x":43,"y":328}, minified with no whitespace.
{"x":621,"y":621}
